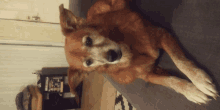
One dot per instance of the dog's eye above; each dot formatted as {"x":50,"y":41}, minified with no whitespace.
{"x":88,"y":62}
{"x":88,"y":41}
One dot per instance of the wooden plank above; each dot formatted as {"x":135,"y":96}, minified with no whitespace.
{"x":46,"y":10}
{"x":30,"y":31}
{"x":92,"y":91}
{"x":108,"y":97}
{"x":17,"y":63}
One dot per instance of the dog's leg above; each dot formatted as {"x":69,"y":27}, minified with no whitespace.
{"x":161,"y":77}
{"x":199,"y":78}
{"x":124,"y":76}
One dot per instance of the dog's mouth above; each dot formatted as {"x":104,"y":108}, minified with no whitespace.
{"x":113,"y":55}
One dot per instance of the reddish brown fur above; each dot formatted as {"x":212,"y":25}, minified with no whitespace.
{"x":146,"y":43}
{"x":111,"y":19}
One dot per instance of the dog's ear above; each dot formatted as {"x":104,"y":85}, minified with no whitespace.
{"x":75,"y":77}
{"x":68,"y":21}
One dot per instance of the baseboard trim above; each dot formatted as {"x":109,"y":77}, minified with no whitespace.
{"x":31,"y":43}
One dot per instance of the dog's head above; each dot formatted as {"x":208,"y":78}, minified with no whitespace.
{"x":86,"y":48}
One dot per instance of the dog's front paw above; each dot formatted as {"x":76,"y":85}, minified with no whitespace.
{"x":204,"y":83}
{"x":192,"y":93}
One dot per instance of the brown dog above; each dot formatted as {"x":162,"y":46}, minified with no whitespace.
{"x":115,"y":41}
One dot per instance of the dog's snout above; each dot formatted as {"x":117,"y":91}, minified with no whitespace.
{"x":112,"y":55}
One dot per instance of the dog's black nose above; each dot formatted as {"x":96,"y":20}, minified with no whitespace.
{"x":113,"y":55}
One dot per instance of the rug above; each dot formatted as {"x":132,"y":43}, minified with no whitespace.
{"x":121,"y":103}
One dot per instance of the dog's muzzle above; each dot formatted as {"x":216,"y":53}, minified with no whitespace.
{"x":113,"y":55}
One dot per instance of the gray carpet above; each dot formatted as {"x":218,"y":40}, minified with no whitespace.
{"x":196,"y":24}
